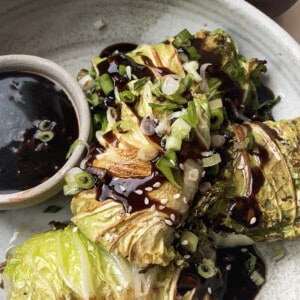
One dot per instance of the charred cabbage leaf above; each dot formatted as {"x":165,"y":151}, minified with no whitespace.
{"x":64,"y":264}
{"x":154,"y":110}
{"x":257,"y":191}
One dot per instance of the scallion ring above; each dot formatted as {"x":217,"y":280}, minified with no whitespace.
{"x":216,"y":118}
{"x":207,"y":269}
{"x":84,"y":180}
{"x":45,"y":125}
{"x":147,"y":126}
{"x":45,"y":136}
{"x":127,"y":97}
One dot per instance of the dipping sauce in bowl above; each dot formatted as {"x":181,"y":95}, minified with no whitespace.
{"x":45,"y":124}
{"x":38,"y":124}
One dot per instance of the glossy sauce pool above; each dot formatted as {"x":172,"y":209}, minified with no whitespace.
{"x":29,"y":105}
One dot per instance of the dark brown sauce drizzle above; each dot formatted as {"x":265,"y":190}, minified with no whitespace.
{"x":228,"y":284}
{"x":233,"y":282}
{"x":132,"y":191}
{"x":25,"y":100}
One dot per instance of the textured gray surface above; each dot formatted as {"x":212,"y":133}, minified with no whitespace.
{"x":72,"y":32}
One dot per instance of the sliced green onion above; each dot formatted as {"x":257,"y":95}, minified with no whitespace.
{"x":70,"y":190}
{"x":191,"y":114}
{"x":183,"y":39}
{"x":86,"y":82}
{"x":207,"y":268}
{"x":45,"y":136}
{"x":127,"y":96}
{"x":189,"y":241}
{"x":257,"y":278}
{"x":94,"y":99}
{"x":147,"y":126}
{"x":167,"y":165}
{"x":45,"y":125}
{"x":211,"y":160}
{"x":192,"y":53}
{"x":84,"y":180}
{"x":140,"y":82}
{"x":216,"y":118}
{"x":180,"y":130}
{"x":122,"y":69}
{"x":187,"y":82}
{"x":106,"y":83}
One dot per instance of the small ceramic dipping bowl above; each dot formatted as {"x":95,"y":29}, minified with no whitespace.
{"x":43,"y":116}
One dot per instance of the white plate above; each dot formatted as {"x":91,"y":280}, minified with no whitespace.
{"x":71,"y":32}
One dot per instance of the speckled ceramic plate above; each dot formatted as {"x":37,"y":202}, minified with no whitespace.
{"x":70,"y":32}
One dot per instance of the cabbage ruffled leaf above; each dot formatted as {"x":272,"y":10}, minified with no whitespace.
{"x":64,"y":264}
{"x":257,"y":191}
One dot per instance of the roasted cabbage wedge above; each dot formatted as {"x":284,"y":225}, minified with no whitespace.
{"x":257,"y":192}
{"x":138,"y":231}
{"x":64,"y":264}
{"x":154,"y":108}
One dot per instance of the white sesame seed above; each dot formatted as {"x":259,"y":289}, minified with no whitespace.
{"x":181,"y":166}
{"x":207,"y":153}
{"x":118,"y":217}
{"x":148,"y":188}
{"x":209,"y":290}
{"x":184,"y":200}
{"x":184,"y":242}
{"x":228,"y":267}
{"x":253,"y":220}
{"x":172,"y":162}
{"x":152,"y":208}
{"x":139,"y":192}
{"x":75,"y":229}
{"x":187,"y":256}
{"x":244,"y":250}
{"x":127,"y":214}
{"x":163,"y":201}
{"x":168,"y":222}
{"x":129,"y":209}
{"x":173,"y":217}
{"x":146,"y":201}
{"x":122,"y":188}
{"x":157,"y":184}
{"x":179,"y":262}
{"x":177,"y":196}
{"x":161,"y":207}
